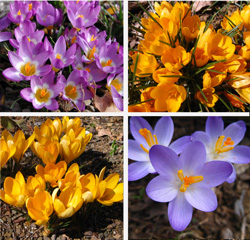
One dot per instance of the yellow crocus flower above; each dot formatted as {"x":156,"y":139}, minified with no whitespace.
{"x":15,"y":190}
{"x":191,"y":27}
{"x":40,"y":207}
{"x":212,"y":98}
{"x":52,"y":172}
{"x":74,"y":123}
{"x":35,"y":183}
{"x":7,"y":150}
{"x":161,"y":75}
{"x":46,"y":131}
{"x":57,"y":126}
{"x":245,"y":16}
{"x":69,"y":201}
{"x":20,"y":143}
{"x":235,"y":18}
{"x":244,"y":93}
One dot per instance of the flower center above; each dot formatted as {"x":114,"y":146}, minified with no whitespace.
{"x":116,"y":83}
{"x":108,"y":63}
{"x":28,"y":69}
{"x":92,"y":38}
{"x":30,"y":6}
{"x":186,"y":181}
{"x":151,"y":140}
{"x":58,"y":56}
{"x":19,"y":13}
{"x":221,"y":147}
{"x":73,"y":39}
{"x":42,"y":95}
{"x":71,"y":92}
{"x":80,"y":16}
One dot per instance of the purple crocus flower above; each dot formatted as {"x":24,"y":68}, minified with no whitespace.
{"x":221,"y":144}
{"x":186,"y":181}
{"x":43,"y":92}
{"x":59,"y":57}
{"x":27,"y":28}
{"x":48,"y":16}
{"x":145,"y":137}
{"x":82,"y":13}
{"x":25,"y":63}
{"x":19,"y":11}
{"x":70,"y":36}
{"x":108,"y":59}
{"x":115,"y":86}
{"x":75,"y":89}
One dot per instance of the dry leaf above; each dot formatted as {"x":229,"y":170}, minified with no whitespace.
{"x":103,"y":132}
{"x":198,"y":5}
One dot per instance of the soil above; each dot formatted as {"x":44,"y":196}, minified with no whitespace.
{"x":104,"y":149}
{"x":231,"y":219}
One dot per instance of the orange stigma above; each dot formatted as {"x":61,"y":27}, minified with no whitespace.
{"x":150,"y":139}
{"x":187,"y":181}
{"x":221,"y":147}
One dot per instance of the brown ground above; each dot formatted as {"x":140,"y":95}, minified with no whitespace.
{"x":106,"y":222}
{"x":149,"y":220}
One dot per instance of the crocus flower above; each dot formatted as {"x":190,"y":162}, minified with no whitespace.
{"x":40,"y":207}
{"x":95,"y":74}
{"x":60,"y":57}
{"x":211,"y":97}
{"x":108,"y":60}
{"x":19,"y":141}
{"x":75,"y":89}
{"x":56,"y":124}
{"x":190,"y":27}
{"x":7,"y":150}
{"x":73,"y":123}
{"x":221,"y":144}
{"x":145,"y":137}
{"x":82,"y":13}
{"x":186,"y":181}
{"x":25,"y":64}
{"x":27,"y":29}
{"x":46,"y":132}
{"x":43,"y":92}
{"x":35,"y":184}
{"x":15,"y":190}
{"x":52,"y":172}
{"x":115,"y":86}
{"x":245,"y":16}
{"x":68,"y":202}
{"x":19,"y":11}
{"x":48,"y":16}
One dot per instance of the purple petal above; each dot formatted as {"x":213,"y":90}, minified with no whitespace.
{"x":240,"y":154}
{"x":214,"y":127}
{"x":71,"y":51}
{"x":53,"y":105}
{"x":15,"y":60}
{"x":161,"y":189}
{"x":135,"y":152}
{"x":216,"y":172}
{"x":137,"y":123}
{"x":193,"y":157}
{"x":232,"y":177}
{"x":44,"y":70}
{"x":42,"y":57}
{"x":24,"y":49}
{"x":200,"y":197}
{"x":117,"y":98}
{"x":26,"y":94}
{"x":164,"y":160}
{"x":37,"y":105}
{"x":60,"y":46}
{"x":202,"y":137}
{"x":164,"y":130}
{"x":179,"y":144}
{"x":236,"y":131}
{"x":137,"y":170}
{"x":4,"y":36}
{"x":179,"y":213}
{"x":12,"y":74}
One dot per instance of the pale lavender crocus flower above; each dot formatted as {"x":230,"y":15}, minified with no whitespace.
{"x":48,"y":16}
{"x":60,"y":57}
{"x":82,"y":13}
{"x":43,"y":92}
{"x":28,"y":29}
{"x":222,"y":144}
{"x":186,"y":181}
{"x":109,"y":58}
{"x":19,"y":11}
{"x":75,"y":89}
{"x":25,"y":63}
{"x":115,"y":86}
{"x":145,"y":137}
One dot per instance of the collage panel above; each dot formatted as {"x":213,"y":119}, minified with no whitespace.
{"x":188,"y":56}
{"x":64,"y":56}
{"x":61,"y":177}
{"x":188,"y":177}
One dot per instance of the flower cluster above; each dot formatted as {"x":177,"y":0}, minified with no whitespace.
{"x":62,"y":63}
{"x":56,"y":190}
{"x":188,"y":167}
{"x":183,"y":63}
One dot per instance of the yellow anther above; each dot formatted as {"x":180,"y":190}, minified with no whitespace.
{"x":28,"y":69}
{"x":187,"y":181}
{"x":73,"y":39}
{"x":151,"y":140}
{"x":91,"y":53}
{"x":221,"y":147}
{"x":80,"y":16}
{"x":19,"y":13}
{"x":44,"y":92}
{"x":58,"y":56}
{"x":30,"y":6}
{"x":92,"y":38}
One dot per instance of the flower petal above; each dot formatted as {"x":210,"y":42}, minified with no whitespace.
{"x":179,"y":144}
{"x":164,"y":160}
{"x":135,"y":152}
{"x":161,"y":189}
{"x":236,"y":131}
{"x":216,"y":172}
{"x":240,"y":154}
{"x":137,"y":170}
{"x":26,"y":94}
{"x":137,"y":123}
{"x":179,"y":213}
{"x":202,"y":137}
{"x":232,"y":177}
{"x":164,"y":130}
{"x":214,"y":127}
{"x":202,"y":198}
